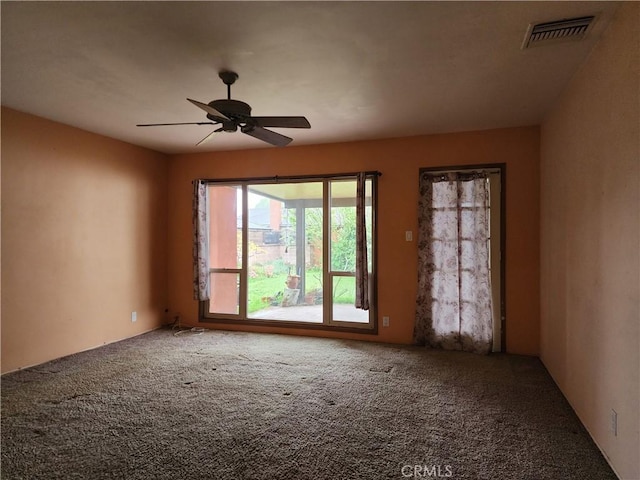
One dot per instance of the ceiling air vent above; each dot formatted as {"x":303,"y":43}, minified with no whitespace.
{"x":558,"y":31}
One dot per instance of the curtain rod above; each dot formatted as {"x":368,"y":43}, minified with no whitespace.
{"x":277,"y":178}
{"x":491,"y":168}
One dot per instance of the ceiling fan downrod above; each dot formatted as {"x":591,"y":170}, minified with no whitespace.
{"x":228,"y":78}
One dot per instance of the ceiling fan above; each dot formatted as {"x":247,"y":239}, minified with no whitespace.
{"x":234,"y":114}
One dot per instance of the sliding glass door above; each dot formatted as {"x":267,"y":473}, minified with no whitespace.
{"x":285,"y":251}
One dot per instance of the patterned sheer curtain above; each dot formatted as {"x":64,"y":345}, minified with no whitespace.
{"x":200,"y":241}
{"x":362,"y":264}
{"x":454,"y":307}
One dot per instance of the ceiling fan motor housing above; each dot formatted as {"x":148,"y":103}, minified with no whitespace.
{"x":237,"y":112}
{"x":234,"y":109}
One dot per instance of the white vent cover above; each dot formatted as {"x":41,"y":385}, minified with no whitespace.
{"x":557,"y":31}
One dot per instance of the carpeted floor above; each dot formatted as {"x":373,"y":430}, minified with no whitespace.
{"x":222,"y":405}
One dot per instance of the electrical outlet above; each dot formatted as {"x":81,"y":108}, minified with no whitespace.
{"x":408,"y":236}
{"x":134,"y":317}
{"x":614,"y":423}
{"x":385,"y":321}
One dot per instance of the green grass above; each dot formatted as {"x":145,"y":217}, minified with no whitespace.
{"x":263,"y":287}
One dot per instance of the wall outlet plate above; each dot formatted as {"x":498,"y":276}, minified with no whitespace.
{"x":134,"y":317}
{"x":385,"y":321}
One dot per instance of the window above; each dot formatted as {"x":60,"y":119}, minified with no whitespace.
{"x":283,"y":251}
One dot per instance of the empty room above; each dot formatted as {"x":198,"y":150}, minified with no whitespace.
{"x":320,"y":240}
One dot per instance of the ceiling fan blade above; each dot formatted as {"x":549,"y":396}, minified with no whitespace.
{"x":208,"y":137}
{"x":267,"y":136}
{"x":284,"y":122}
{"x":209,"y":109}
{"x":180,"y":123}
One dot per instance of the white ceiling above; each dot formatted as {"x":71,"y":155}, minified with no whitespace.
{"x":356,"y":70}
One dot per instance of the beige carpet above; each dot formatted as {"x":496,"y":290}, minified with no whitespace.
{"x":251,"y":406}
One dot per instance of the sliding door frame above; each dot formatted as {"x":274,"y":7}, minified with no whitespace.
{"x":328,"y":324}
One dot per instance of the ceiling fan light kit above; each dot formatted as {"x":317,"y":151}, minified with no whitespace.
{"x":233,"y":114}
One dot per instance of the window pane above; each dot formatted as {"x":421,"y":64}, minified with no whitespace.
{"x":313,"y":265}
{"x":224,"y":293}
{"x":344,"y":294}
{"x":343,"y":226}
{"x":225,"y":226}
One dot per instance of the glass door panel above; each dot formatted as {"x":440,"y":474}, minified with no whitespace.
{"x":342,"y":248}
{"x":285,"y":251}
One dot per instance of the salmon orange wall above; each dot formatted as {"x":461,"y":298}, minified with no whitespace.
{"x":590,"y":242}
{"x":83,"y":240}
{"x":399,"y":160}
